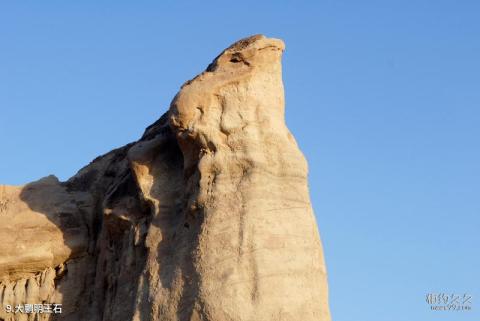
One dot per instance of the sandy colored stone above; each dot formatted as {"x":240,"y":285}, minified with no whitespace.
{"x":206,"y":218}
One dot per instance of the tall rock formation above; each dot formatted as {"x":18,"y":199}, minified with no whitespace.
{"x":206,"y":218}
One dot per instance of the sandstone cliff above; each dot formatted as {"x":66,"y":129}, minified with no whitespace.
{"x":206,"y":217}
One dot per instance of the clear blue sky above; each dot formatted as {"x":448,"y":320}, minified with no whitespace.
{"x":382,"y":96}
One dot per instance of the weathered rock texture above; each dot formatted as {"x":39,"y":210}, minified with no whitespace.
{"x":206,"y":217}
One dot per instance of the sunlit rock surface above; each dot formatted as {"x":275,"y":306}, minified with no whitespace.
{"x":206,"y":217}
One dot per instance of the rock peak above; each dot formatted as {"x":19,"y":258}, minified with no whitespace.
{"x":247,"y":51}
{"x":258,"y":41}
